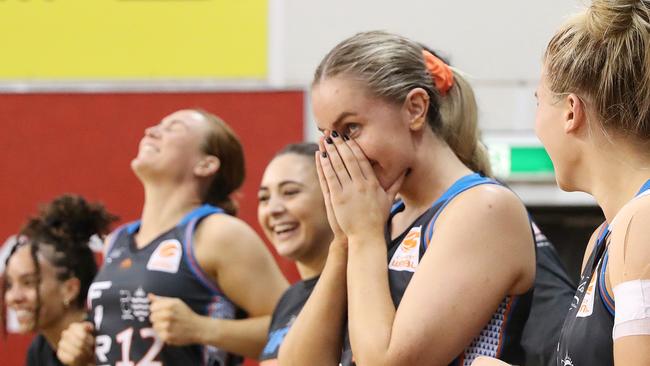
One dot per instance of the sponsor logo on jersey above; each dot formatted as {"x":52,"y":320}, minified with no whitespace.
{"x":134,"y":305}
{"x":407,"y":255}
{"x":566,"y":361}
{"x":166,"y":257}
{"x":126,"y":263}
{"x":587,"y":305}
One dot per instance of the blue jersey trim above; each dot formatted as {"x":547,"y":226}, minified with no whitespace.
{"x":460,"y":186}
{"x":113,"y":238}
{"x":644,"y":187}
{"x":133,"y":227}
{"x":200,"y":211}
{"x":190,"y":258}
{"x":604,"y":294}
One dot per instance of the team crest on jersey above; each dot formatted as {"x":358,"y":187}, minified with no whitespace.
{"x":407,"y":255}
{"x":587,"y":305}
{"x":167,"y":257}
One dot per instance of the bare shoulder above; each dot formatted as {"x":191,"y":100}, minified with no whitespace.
{"x":491,"y":202}
{"x":218,"y":231}
{"x":489,"y":224}
{"x":628,"y":249}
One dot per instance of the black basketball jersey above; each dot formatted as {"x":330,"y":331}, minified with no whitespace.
{"x":166,"y":267}
{"x":40,"y":353}
{"x":285,"y":313}
{"x":501,"y":336}
{"x":586,"y":337}
{"x":553,"y":293}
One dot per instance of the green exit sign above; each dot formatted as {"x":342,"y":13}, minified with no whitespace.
{"x":518,"y":161}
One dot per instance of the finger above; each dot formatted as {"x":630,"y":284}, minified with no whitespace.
{"x":325,"y":189}
{"x":333,"y":182}
{"x":362,"y":159}
{"x":394,"y":188}
{"x":337,"y":161}
{"x":88,"y":327}
{"x":347,"y":156}
{"x":321,"y":176}
{"x":72,"y":339}
{"x":70,"y":351}
{"x":63,"y":356}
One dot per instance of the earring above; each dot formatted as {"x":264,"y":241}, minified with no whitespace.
{"x":66,"y":303}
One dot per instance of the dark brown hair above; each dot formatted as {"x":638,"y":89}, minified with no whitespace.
{"x":65,"y":225}
{"x":223,"y":143}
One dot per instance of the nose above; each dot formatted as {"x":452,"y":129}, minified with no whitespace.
{"x":152,"y":131}
{"x":276,"y":206}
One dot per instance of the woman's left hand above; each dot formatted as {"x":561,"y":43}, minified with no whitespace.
{"x":360,"y":204}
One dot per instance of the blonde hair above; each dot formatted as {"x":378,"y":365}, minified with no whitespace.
{"x":390,"y":66}
{"x":603,"y":55}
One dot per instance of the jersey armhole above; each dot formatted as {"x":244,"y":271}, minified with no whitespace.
{"x":193,"y":264}
{"x":429,"y":230}
{"x":112,"y":238}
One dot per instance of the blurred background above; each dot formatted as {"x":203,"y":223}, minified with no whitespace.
{"x":80,"y":80}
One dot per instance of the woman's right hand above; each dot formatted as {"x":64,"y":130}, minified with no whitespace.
{"x":339,"y":235}
{"x":77,"y":345}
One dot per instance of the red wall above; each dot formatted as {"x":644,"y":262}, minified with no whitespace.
{"x":83,"y":143}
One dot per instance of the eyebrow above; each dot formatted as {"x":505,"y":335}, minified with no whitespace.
{"x":173,"y":122}
{"x":339,"y":119}
{"x":283,"y":183}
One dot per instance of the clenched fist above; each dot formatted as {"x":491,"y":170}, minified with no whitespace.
{"x":174,"y":322}
{"x":77,"y":345}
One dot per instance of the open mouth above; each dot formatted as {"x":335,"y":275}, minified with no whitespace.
{"x":24,"y":316}
{"x":285,"y":230}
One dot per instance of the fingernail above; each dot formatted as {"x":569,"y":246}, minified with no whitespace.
{"x":335,"y":134}
{"x":345,"y":137}
{"x":329,"y":140}
{"x":324,"y":154}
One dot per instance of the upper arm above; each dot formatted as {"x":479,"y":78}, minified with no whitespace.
{"x":629,"y":260}
{"x":481,"y":251}
{"x":232,"y":254}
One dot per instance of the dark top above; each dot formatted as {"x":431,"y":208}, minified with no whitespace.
{"x":586,"y":337}
{"x":40,"y":353}
{"x":165,"y":267}
{"x":553,"y":294}
{"x":501,"y":336}
{"x":284,"y":315}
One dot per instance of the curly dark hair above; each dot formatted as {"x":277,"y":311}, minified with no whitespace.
{"x":66,"y":225}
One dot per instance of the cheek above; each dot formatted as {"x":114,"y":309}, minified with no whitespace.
{"x":261,"y":216}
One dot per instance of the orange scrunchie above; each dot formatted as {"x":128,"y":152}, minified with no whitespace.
{"x":441,"y":73}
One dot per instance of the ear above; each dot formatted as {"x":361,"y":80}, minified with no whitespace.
{"x":207,"y":166}
{"x":574,"y":116}
{"x":415,"y":108}
{"x":71,"y":289}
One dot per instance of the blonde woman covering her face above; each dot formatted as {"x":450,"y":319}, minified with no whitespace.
{"x":444,"y":274}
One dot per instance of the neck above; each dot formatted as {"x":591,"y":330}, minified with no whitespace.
{"x":615,"y":177}
{"x":312,"y":265}
{"x":435,"y":169}
{"x":164,"y":206}
{"x":53,"y":333}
